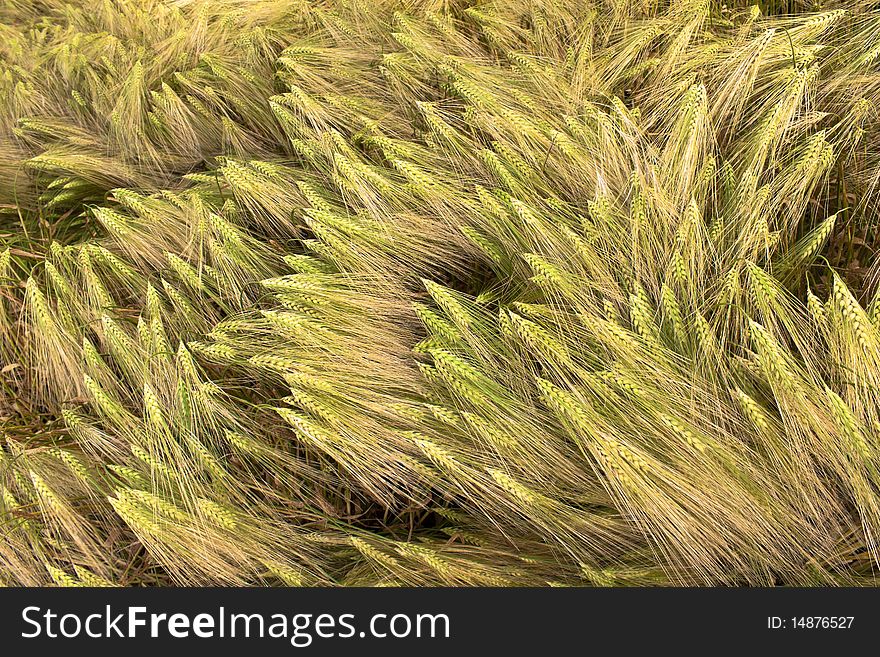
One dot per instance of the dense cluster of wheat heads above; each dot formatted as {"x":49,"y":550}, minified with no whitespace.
{"x":439,"y":292}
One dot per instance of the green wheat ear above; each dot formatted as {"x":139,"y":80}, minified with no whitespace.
{"x":389,"y":294}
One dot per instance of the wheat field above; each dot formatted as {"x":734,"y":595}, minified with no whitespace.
{"x":439,"y":293}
